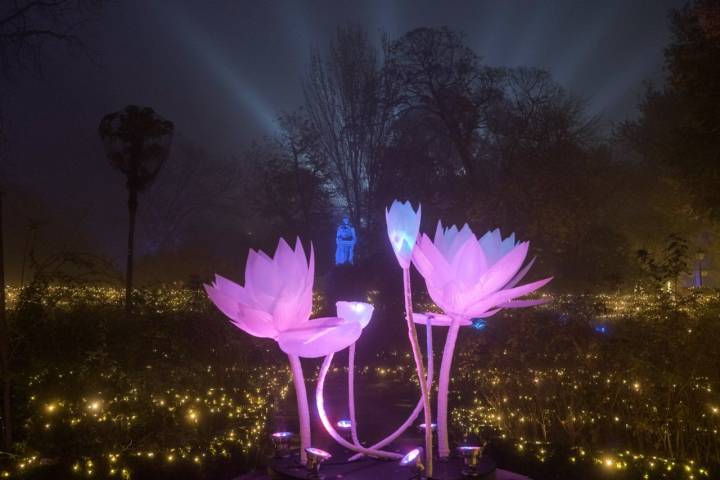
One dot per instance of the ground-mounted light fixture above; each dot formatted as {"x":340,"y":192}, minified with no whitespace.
{"x":413,"y":460}
{"x":281,"y":443}
{"x":345,"y":427}
{"x":471,"y":455}
{"x":316,"y":457}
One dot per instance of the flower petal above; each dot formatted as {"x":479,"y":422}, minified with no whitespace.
{"x":227,"y":304}
{"x":229,"y":287}
{"x":438,"y":319}
{"x":262,"y":277}
{"x":498,"y":298}
{"x":521,"y":274}
{"x":524,"y":303}
{"x":437,"y":269}
{"x":500,"y":273}
{"x":355,"y":311}
{"x":255,"y":322}
{"x":292,"y":310}
{"x":320,"y":337}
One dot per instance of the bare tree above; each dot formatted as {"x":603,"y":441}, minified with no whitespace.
{"x":291,"y":189}
{"x":29,"y":27}
{"x":440,"y":76}
{"x":350,"y":104}
{"x":195,"y":183}
{"x":537,"y":114}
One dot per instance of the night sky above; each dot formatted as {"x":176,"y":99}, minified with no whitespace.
{"x":221,"y":70}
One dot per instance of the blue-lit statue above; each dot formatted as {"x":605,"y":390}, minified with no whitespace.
{"x":345,"y":240}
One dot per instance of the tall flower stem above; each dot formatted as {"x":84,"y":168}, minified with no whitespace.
{"x":418,"y":408}
{"x":420,"y":368}
{"x":443,"y":387}
{"x":320,"y":402}
{"x":302,"y":406}
{"x":351,"y":395}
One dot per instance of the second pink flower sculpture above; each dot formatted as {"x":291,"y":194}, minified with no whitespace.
{"x":469,"y":278}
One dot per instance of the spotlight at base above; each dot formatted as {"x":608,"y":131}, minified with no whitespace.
{"x":281,"y":443}
{"x":316,"y":457}
{"x":344,"y":424}
{"x":413,"y":459}
{"x":471,"y":455}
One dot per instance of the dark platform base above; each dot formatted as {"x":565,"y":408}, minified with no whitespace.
{"x":369,"y":469}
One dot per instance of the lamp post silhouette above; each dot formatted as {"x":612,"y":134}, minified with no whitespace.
{"x":137,"y":142}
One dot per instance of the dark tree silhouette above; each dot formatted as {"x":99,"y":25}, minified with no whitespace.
{"x":350,"y":102}
{"x":28,"y":27}
{"x":4,"y":346}
{"x":439,"y":75}
{"x":137,"y":142}
{"x":678,"y":122}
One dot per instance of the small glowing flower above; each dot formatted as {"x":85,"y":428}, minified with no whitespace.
{"x":355,"y":311}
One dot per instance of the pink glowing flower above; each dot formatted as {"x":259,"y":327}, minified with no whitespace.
{"x":403,"y":226}
{"x":276,"y":302}
{"x":355,"y":311}
{"x":469,"y":278}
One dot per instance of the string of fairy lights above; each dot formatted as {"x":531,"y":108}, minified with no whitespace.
{"x":176,"y":298}
{"x":240,"y":418}
{"x":245,"y":415}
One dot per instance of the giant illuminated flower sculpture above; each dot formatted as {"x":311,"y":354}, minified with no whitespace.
{"x":467,"y":278}
{"x":276,"y":302}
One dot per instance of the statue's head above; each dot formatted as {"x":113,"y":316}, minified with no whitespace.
{"x":346,"y":221}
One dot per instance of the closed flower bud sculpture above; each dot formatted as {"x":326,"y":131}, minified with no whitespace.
{"x":403,"y":226}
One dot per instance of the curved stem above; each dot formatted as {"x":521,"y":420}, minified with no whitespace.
{"x":320,"y":401}
{"x":445,"y":367}
{"x":420,"y":368}
{"x":418,"y":408}
{"x":429,"y":350}
{"x":302,"y":406}
{"x":351,"y":395}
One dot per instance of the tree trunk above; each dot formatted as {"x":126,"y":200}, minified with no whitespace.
{"x":5,"y":348}
{"x":132,"y":210}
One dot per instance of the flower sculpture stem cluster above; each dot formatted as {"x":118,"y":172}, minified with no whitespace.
{"x":420,"y":404}
{"x":465,"y":276}
{"x":320,"y":401}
